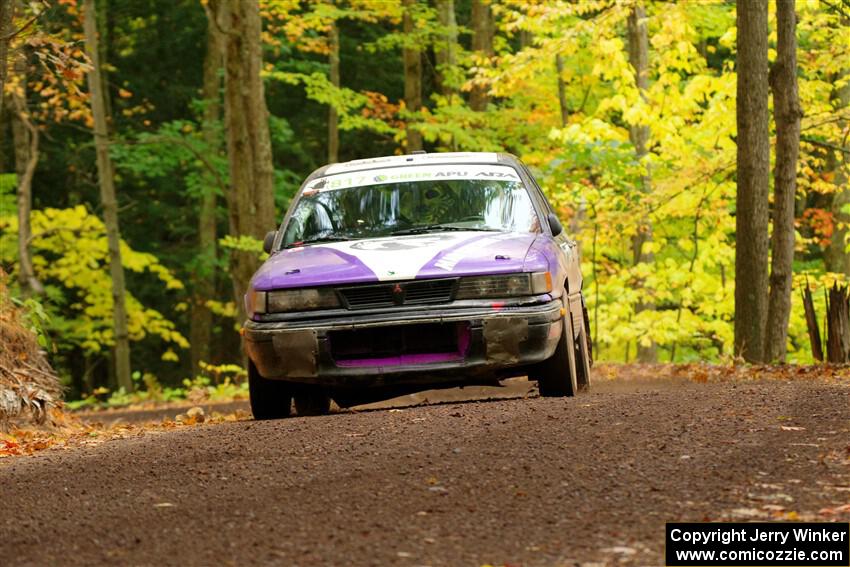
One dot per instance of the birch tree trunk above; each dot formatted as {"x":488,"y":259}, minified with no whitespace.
{"x":250,"y":200}
{"x":201,"y":321}
{"x":482,"y":45}
{"x":753,"y":164}
{"x":25,"y":137}
{"x":412,"y":78}
{"x":639,"y":136}
{"x":787,"y":114}
{"x":333,"y":119}
{"x":110,"y":205}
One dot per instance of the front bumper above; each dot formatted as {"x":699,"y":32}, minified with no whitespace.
{"x":496,"y":338}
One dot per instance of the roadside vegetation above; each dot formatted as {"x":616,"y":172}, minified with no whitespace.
{"x":697,"y":151}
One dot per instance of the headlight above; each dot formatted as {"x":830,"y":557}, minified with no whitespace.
{"x":302,"y":300}
{"x":509,"y":285}
{"x":255,"y":302}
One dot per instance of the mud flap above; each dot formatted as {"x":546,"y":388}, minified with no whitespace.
{"x":298,"y":351}
{"x":503,"y":336}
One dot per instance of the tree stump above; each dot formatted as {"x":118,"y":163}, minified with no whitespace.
{"x":812,"y":325}
{"x":838,"y":325}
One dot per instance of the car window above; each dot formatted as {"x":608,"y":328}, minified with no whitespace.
{"x":381,"y":203}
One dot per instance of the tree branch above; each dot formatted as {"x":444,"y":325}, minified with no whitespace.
{"x":826,"y":145}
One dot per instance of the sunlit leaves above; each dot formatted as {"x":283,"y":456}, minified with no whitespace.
{"x":70,"y":256}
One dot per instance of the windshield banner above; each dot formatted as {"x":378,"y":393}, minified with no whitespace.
{"x":409,"y":174}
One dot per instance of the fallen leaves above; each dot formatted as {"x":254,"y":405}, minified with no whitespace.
{"x":703,"y":372}
{"x":69,"y":431}
{"x":193,"y":416}
{"x":837,"y":511}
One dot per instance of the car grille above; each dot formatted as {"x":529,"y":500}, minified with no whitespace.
{"x":397,"y":345}
{"x":399,"y":293}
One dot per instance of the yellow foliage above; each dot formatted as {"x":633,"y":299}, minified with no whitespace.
{"x":70,"y":253}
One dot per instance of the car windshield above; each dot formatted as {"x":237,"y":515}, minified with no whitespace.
{"x":411,"y":201}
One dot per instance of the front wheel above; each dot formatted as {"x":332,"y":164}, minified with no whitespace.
{"x":270,"y":399}
{"x":311,"y":400}
{"x":583,"y":356}
{"x":557,"y":375}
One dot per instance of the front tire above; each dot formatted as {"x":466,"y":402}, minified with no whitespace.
{"x":311,"y":400}
{"x":583,"y":356}
{"x":557,"y":374}
{"x":270,"y":399}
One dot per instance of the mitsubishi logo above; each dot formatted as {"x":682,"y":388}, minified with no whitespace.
{"x":398,"y":294}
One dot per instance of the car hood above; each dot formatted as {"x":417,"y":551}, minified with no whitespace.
{"x":430,"y":255}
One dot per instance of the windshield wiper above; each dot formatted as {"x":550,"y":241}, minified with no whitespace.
{"x":317,"y":240}
{"x":440,"y":228}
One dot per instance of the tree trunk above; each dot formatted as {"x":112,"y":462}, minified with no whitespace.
{"x":838,"y":325}
{"x":482,"y":45}
{"x":753,"y":161}
{"x":103,"y":25}
{"x":7,"y":15}
{"x":639,"y":136}
{"x":333,"y":119}
{"x":25,"y":136}
{"x":835,"y":256}
{"x":445,"y":52}
{"x":201,"y":322}
{"x":412,"y":78}
{"x":562,"y":91}
{"x":110,"y":205}
{"x":639,"y":133}
{"x":787,"y":113}
{"x":812,"y":324}
{"x":250,"y":200}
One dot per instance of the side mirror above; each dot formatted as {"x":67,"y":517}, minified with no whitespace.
{"x":555,"y":225}
{"x":268,"y":241}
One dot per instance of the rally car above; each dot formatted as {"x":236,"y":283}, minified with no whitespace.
{"x":402,"y":273}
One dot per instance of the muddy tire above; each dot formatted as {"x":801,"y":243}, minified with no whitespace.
{"x":270,"y":399}
{"x":312,"y":401}
{"x":557,"y":374}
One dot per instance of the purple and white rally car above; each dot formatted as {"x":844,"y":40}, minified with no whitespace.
{"x":402,"y":273}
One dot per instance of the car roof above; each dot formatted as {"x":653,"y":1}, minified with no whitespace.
{"x":412,"y":160}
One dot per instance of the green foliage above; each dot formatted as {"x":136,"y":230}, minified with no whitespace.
{"x":35,"y":318}
{"x":70,"y":257}
{"x":243,"y":243}
{"x":218,"y":383}
{"x":347,"y":102}
{"x":8,"y":202}
{"x":168,"y":160}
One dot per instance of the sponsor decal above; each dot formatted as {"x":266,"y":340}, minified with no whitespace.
{"x":383,"y":244}
{"x":401,"y":258}
{"x":409,"y":174}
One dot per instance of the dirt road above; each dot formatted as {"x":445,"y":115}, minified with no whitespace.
{"x":524,"y":481}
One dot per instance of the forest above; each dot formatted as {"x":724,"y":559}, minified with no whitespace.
{"x":698,"y":151}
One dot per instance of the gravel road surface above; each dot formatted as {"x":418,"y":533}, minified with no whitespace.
{"x":508,"y":482}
